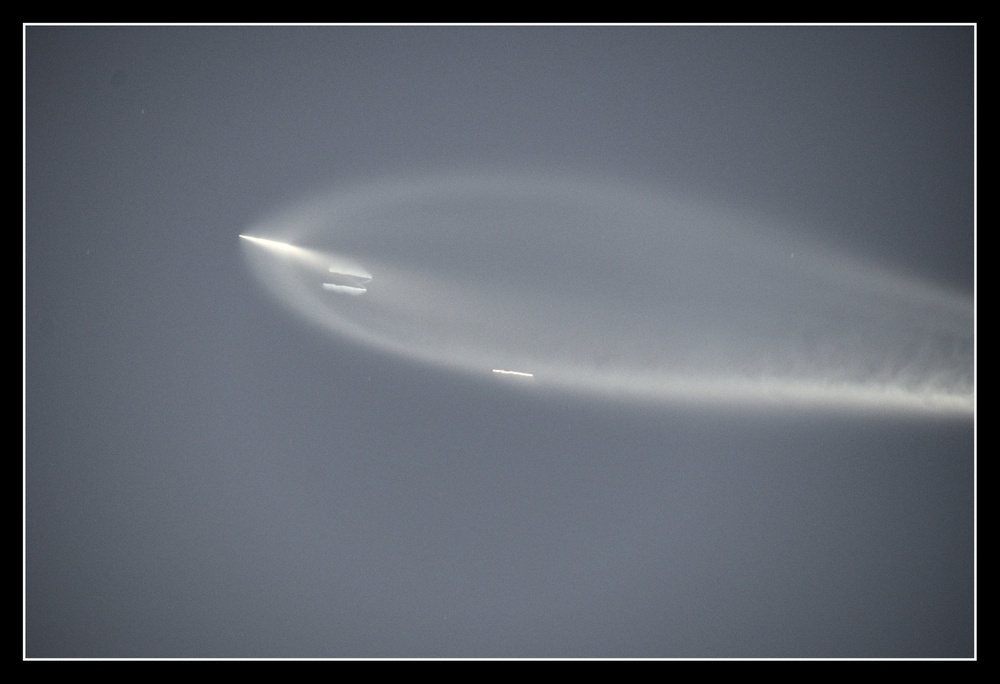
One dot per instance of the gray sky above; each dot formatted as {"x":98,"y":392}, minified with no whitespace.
{"x":207,"y":475}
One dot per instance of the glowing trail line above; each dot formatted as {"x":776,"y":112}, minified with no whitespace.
{"x":519,"y":374}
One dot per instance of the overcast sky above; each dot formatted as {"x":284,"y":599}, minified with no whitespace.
{"x":209,"y":476}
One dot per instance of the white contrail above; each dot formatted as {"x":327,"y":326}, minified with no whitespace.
{"x":598,"y":288}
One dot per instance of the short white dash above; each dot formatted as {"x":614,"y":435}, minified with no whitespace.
{"x":519,"y":374}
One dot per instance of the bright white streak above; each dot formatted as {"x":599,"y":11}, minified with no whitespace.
{"x":520,"y":374}
{"x":683,"y":305}
{"x":344,"y":289}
